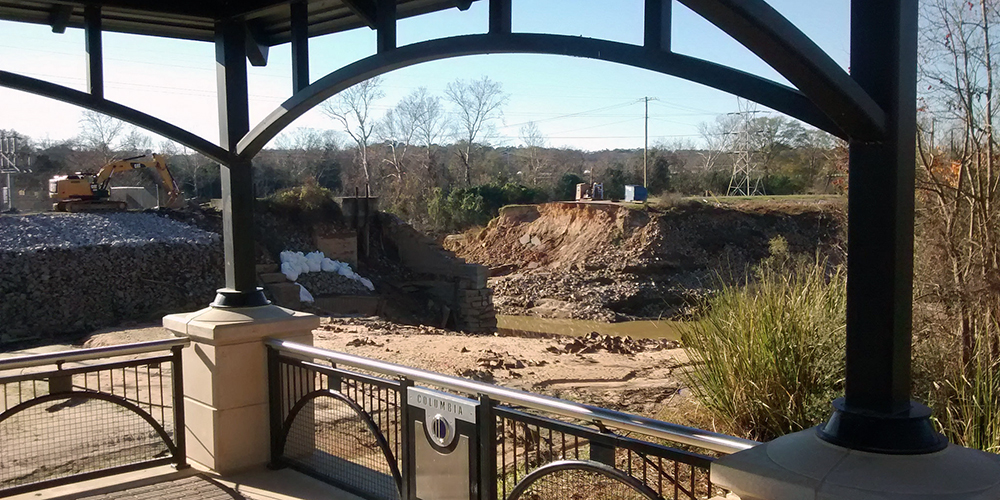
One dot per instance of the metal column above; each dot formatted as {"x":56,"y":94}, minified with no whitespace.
{"x":300,"y":45}
{"x":237,"y":181}
{"x":95,"y":56}
{"x":876,"y":413}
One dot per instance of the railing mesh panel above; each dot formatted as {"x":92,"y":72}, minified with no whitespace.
{"x":329,"y":438}
{"x":61,"y":437}
{"x":74,"y":435}
{"x":523,"y":445}
{"x":575,"y":484}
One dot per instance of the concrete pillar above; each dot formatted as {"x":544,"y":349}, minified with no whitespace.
{"x":225,"y":380}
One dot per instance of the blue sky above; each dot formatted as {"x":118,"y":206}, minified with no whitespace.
{"x":175,"y":80}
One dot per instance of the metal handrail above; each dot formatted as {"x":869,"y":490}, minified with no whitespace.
{"x":71,"y":355}
{"x":610,"y":418}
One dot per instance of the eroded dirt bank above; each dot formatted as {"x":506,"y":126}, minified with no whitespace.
{"x":613,"y":262}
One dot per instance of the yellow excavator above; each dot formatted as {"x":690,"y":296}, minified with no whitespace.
{"x":89,"y":192}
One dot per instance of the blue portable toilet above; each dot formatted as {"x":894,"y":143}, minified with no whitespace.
{"x":635,"y":193}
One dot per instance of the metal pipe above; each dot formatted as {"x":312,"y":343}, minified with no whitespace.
{"x":92,"y":353}
{"x":647,"y":426}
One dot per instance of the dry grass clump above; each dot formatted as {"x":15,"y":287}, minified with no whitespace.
{"x":769,"y":352}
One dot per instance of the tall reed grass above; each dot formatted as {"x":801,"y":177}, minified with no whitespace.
{"x":768,"y":353}
{"x":967,"y":403}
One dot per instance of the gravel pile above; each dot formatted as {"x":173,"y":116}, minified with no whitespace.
{"x":50,"y":231}
{"x":323,"y":283}
{"x":70,"y":273}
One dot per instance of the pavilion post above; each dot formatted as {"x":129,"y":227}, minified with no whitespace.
{"x":876,"y":413}
{"x":237,"y":181}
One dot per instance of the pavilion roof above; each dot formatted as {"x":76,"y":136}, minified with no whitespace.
{"x":267,"y":20}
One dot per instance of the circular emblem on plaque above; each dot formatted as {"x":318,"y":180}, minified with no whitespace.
{"x":441,"y":430}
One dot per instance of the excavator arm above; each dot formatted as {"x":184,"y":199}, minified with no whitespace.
{"x":155,"y":162}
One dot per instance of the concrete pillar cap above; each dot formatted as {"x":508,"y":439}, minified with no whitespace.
{"x":803,"y":466}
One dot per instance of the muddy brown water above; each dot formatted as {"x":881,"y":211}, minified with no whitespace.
{"x":530,"y":326}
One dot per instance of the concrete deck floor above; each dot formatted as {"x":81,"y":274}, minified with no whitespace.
{"x":196,"y":483}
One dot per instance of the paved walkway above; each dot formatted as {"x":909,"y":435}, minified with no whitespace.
{"x":194,"y":487}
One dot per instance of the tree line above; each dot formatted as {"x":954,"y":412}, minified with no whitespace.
{"x":437,"y":161}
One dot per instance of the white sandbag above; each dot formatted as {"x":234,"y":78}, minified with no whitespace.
{"x":346,"y":271}
{"x":301,"y":266}
{"x":304,"y":294}
{"x":289,"y":270}
{"x":314,"y":265}
{"x":330,"y":265}
{"x":367,"y":283}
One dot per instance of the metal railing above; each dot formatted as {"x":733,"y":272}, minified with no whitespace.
{"x":356,"y":438}
{"x":75,"y":415}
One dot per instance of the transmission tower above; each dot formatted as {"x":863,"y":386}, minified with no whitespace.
{"x":743,"y":181}
{"x":8,"y":166}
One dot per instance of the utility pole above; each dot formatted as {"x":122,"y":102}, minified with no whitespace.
{"x":645,"y":143}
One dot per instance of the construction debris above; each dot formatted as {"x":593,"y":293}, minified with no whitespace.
{"x":363,"y":341}
{"x":492,"y":360}
{"x":593,"y":342}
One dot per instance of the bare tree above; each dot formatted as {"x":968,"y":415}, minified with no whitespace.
{"x":431,"y":126}
{"x":352,"y":108}
{"x":399,"y":128}
{"x":101,"y":133}
{"x":957,"y":173}
{"x":479,"y":103}
{"x":718,"y":137}
{"x":306,"y":154}
{"x":135,"y":142}
{"x":534,"y":142}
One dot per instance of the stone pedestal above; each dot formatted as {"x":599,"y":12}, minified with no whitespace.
{"x":802,"y":466}
{"x":225,"y":380}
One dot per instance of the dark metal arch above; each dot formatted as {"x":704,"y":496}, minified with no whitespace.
{"x":379,"y":438}
{"x":771,"y":94}
{"x":110,"y":108}
{"x":100,"y":396}
{"x":582,"y":465}
{"x":784,"y":47}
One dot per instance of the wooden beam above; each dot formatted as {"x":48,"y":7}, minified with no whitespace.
{"x":59,"y":18}
{"x":257,"y":50}
{"x":365,"y":9}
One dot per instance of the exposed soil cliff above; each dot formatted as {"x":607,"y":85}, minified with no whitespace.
{"x":613,"y":262}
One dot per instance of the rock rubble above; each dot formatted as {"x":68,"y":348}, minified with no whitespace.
{"x":30,"y":233}
{"x":67,"y":273}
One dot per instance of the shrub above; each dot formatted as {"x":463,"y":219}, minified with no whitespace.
{"x":565,"y":189}
{"x":769,"y":354}
{"x":309,"y":201}
{"x":459,"y":209}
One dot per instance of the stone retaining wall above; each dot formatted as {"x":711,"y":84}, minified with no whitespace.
{"x":459,"y":285}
